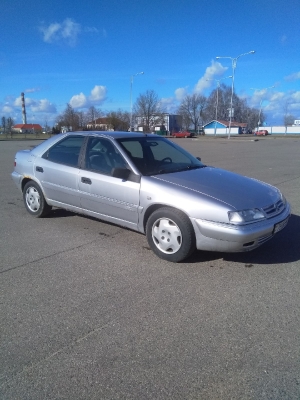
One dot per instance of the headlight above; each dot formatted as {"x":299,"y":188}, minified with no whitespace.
{"x":244,"y":216}
{"x":283,"y":199}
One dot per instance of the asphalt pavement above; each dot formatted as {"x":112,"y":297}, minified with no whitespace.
{"x":89,"y":312}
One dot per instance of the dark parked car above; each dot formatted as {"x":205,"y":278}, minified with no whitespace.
{"x":150,"y":184}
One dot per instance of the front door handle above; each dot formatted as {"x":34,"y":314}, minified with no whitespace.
{"x":39,"y":169}
{"x":86,"y":180}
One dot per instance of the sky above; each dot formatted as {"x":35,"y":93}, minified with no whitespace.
{"x":87,"y":53}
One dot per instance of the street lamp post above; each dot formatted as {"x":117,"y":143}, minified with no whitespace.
{"x":131,"y":83}
{"x":234,"y":62}
{"x":217,"y":102}
{"x":260,"y":104}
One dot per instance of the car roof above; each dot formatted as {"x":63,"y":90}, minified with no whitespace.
{"x":112,"y":134}
{"x":42,"y":147}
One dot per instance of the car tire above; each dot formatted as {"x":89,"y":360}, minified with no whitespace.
{"x":170,"y":234}
{"x":34,"y":200}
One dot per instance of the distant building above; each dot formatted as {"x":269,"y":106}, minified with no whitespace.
{"x":221,"y":127}
{"x":27,"y":128}
{"x":101,"y":124}
{"x":166,"y":122}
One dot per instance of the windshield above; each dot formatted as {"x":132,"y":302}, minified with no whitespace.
{"x":152,"y":155}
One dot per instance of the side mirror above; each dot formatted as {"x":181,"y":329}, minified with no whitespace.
{"x":122,"y":173}
{"x":125,"y":174}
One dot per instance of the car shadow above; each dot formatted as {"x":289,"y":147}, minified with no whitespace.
{"x":60,"y":213}
{"x":282,"y":249}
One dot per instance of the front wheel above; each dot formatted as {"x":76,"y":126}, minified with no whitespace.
{"x":170,"y":234}
{"x":34,"y":200}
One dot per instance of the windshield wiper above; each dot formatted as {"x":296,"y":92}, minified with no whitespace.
{"x":170,"y":171}
{"x":190,"y":167}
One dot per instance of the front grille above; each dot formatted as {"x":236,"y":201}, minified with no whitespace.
{"x":264,"y":239}
{"x":274,"y":209}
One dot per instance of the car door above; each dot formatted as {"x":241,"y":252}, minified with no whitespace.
{"x":103,"y":195}
{"x":58,"y":172}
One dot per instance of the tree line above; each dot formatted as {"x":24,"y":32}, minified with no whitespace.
{"x":7,"y":124}
{"x":195,"y":110}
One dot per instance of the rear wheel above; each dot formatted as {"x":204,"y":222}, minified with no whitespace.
{"x":170,"y":234}
{"x":34,"y":200}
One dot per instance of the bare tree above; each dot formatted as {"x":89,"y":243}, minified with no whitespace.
{"x":69,"y":118}
{"x":119,"y":120}
{"x":9,"y":123}
{"x":242,"y":112}
{"x":46,"y":126}
{"x":192,"y":110}
{"x":289,"y":119}
{"x":147,"y":108}
{"x":92,"y":114}
{"x":3,"y":120}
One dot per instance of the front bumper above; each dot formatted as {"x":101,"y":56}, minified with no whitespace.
{"x":213,"y":236}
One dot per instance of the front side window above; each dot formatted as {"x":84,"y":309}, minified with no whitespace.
{"x":66,"y":151}
{"x":102,"y":156}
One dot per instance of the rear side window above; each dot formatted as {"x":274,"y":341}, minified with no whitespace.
{"x":66,"y":151}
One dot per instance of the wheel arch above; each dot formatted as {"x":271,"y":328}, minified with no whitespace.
{"x":155,"y":207}
{"x":27,"y":179}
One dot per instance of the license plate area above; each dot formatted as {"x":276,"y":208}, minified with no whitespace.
{"x":278,"y":227}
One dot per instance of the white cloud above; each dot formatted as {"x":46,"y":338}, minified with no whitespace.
{"x":32,"y":90}
{"x":43,"y":105}
{"x":68,"y":31}
{"x":180,"y":93}
{"x":91,"y":29}
{"x":216,"y":69}
{"x":7,"y":109}
{"x":51,"y":32}
{"x":276,"y":104}
{"x":17,"y":102}
{"x":296,"y":97}
{"x":79,"y":101}
{"x":293,"y":77}
{"x":97,"y":96}
{"x":277,"y":97}
{"x":98,"y":93}
{"x":168,"y":104}
{"x":35,"y":106}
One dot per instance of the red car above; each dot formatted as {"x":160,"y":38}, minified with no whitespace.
{"x":262,"y":132}
{"x":184,"y":134}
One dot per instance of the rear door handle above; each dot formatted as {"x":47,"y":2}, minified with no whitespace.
{"x":86,"y":180}
{"x":39,"y":169}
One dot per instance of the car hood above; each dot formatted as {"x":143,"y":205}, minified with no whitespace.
{"x":233,"y":189}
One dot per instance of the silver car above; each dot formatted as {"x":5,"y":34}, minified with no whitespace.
{"x":151,"y":185}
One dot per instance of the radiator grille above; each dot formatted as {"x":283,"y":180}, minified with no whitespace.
{"x":274,"y":209}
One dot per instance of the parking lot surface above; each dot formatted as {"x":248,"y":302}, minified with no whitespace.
{"x":89,"y":312}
